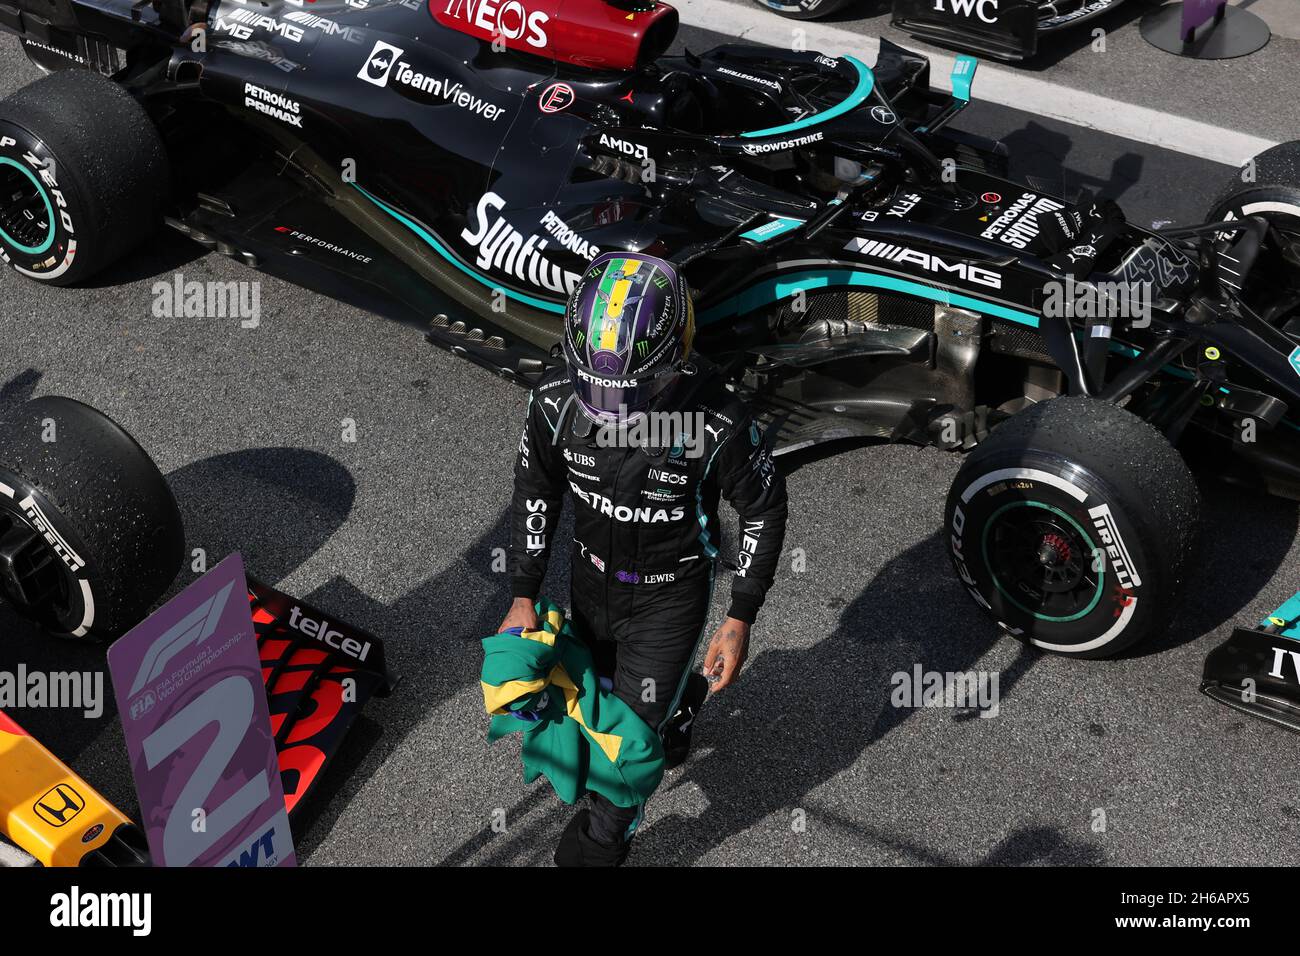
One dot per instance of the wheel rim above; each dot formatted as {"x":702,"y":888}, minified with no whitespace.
{"x":1041,"y":560}
{"x":33,"y":577}
{"x":23,"y":202}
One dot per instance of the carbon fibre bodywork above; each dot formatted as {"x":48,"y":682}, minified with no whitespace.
{"x":860,"y":267}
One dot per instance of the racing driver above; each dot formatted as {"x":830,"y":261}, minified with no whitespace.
{"x":647,"y":438}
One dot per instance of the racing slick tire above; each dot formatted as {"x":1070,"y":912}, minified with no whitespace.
{"x":83,"y":174}
{"x":804,"y":9}
{"x":1269,"y":186}
{"x":1071,"y":524}
{"x":90,"y":535}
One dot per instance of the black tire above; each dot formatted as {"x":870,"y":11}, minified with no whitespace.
{"x":804,"y":9}
{"x":1274,"y":194}
{"x":83,"y":174}
{"x":90,"y":535}
{"x":1071,"y":524}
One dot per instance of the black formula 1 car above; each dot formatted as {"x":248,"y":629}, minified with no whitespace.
{"x":862,"y":269}
{"x":1006,"y":29}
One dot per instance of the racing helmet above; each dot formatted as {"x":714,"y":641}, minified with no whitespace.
{"x":627,"y":335}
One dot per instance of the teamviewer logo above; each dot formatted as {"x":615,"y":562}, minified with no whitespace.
{"x":380,"y":63}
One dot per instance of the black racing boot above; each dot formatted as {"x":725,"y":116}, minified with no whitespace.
{"x":677,"y":732}
{"x":578,"y":848}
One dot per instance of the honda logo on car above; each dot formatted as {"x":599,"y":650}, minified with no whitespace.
{"x":931,"y":263}
{"x":964,"y":8}
{"x":323,"y":632}
{"x":1114,"y":546}
{"x":510,"y":19}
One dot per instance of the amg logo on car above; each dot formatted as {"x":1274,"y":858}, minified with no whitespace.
{"x":1114,"y":546}
{"x":967,"y":271}
{"x":985,"y":10}
{"x":42,"y":524}
{"x":242,"y":24}
{"x":322,"y":631}
{"x":274,"y":105}
{"x":328,"y":27}
{"x":510,"y":19}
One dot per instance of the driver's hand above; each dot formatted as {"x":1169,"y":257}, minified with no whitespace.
{"x":727,"y":651}
{"x":521,"y":614}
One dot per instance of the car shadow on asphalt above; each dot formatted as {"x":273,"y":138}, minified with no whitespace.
{"x":780,"y":740}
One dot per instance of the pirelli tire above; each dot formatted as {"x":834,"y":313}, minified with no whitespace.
{"x":1071,"y":526}
{"x":83,"y":175}
{"x":90,"y":535}
{"x":804,"y":9}
{"x":1268,"y":186}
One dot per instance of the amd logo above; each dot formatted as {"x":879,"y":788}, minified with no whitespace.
{"x":967,"y":8}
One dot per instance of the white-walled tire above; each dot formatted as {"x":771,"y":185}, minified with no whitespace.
{"x":804,"y":9}
{"x":1070,"y":526}
{"x":1269,"y":186}
{"x":83,"y":174}
{"x":90,"y":535}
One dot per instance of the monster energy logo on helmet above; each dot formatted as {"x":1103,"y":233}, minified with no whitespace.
{"x":628,"y":330}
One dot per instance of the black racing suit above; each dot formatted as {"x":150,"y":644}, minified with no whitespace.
{"x":645,"y":536}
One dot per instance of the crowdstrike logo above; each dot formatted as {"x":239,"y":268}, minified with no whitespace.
{"x":380,"y":63}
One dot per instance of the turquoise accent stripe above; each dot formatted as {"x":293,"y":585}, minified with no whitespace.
{"x":866,"y":82}
{"x":442,"y":250}
{"x":782,"y":287}
{"x":1291,"y":612}
{"x":49,"y":213}
{"x":770,"y":230}
{"x":963,"y":75}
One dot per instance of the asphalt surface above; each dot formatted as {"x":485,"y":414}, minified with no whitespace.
{"x":396,"y":533}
